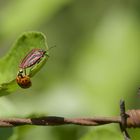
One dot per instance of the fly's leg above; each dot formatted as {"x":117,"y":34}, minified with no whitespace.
{"x":25,"y":71}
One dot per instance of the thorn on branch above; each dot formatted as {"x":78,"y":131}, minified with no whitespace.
{"x":123,"y":123}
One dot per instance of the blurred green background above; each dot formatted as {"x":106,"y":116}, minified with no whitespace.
{"x":96,"y":62}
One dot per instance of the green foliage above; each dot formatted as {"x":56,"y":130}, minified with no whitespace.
{"x":26,"y":14}
{"x":9,"y":63}
{"x":101,"y":133}
{"x":96,"y":62}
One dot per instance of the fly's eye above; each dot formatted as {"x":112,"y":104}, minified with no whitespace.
{"x":23,"y":81}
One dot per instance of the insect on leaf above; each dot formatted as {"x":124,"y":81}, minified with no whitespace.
{"x":9,"y":64}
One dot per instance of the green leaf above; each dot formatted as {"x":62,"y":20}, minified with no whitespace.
{"x":102,"y":133}
{"x":9,"y":63}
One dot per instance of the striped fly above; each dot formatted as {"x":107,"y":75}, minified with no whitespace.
{"x":33,"y":57}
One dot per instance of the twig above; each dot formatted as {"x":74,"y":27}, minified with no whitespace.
{"x":53,"y":120}
{"x":128,"y":119}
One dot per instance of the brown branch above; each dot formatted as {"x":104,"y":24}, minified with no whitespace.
{"x":133,"y":120}
{"x":128,"y":119}
{"x":53,"y":120}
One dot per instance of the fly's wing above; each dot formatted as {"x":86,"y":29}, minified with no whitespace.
{"x":26,"y":60}
{"x":35,"y":58}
